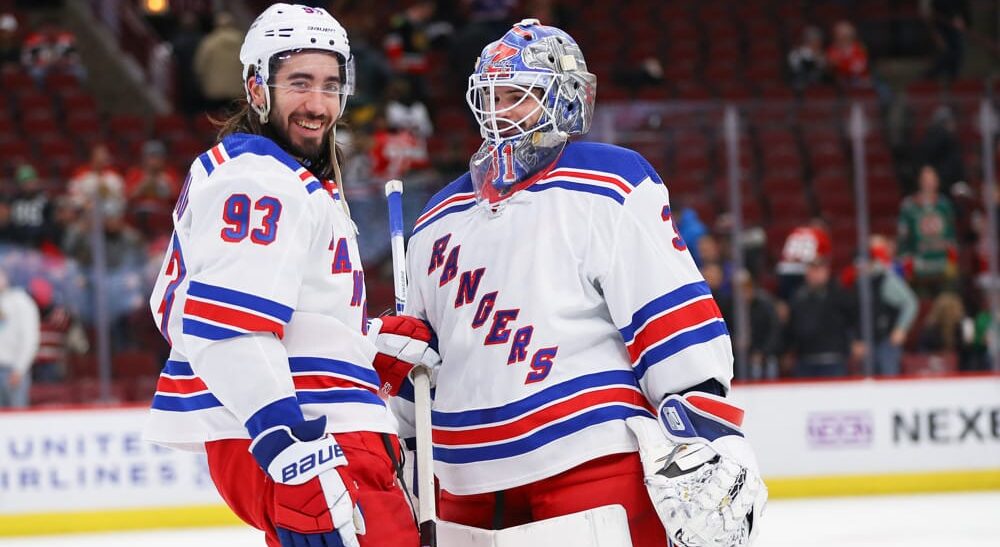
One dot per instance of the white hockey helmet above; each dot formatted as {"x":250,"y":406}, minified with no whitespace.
{"x":287,"y":28}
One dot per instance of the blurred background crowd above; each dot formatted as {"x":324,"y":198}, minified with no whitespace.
{"x":105,"y":103}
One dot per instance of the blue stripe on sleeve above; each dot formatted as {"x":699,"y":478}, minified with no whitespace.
{"x":665,"y":302}
{"x":537,"y":439}
{"x":313,"y":186}
{"x":178,"y":368}
{"x":484,"y":416}
{"x":338,"y":396}
{"x":197,"y":328}
{"x":679,"y":343}
{"x":184,"y":404}
{"x":319,"y":364}
{"x":206,"y":162}
{"x":241,"y":299}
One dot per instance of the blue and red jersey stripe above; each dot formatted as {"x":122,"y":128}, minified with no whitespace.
{"x":537,"y":420}
{"x":217,"y":313}
{"x":671,"y":323}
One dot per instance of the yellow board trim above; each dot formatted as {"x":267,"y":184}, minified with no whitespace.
{"x":897,"y":483}
{"x":116,"y":520}
{"x":220,"y":515}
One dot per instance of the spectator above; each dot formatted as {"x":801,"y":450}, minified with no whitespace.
{"x":942,"y":327}
{"x":764,"y":340}
{"x":648,"y":72}
{"x":59,"y":333}
{"x":217,"y":63}
{"x":822,"y":325}
{"x":803,"y":246}
{"x":151,"y":189}
{"x":10,"y":47}
{"x":927,"y":241}
{"x":404,"y":112}
{"x":484,"y":21}
{"x":396,"y":151}
{"x":942,"y":149}
{"x":18,"y":343}
{"x":949,"y":19}
{"x":51,"y":50}
{"x":184,"y":44}
{"x":977,"y":335}
{"x":894,"y":307}
{"x":32,"y":210}
{"x":712,"y":254}
{"x":97,"y":179}
{"x":807,"y":62}
{"x":372,"y":68}
{"x":690,"y":228}
{"x":8,"y":233}
{"x":123,"y":245}
{"x":411,"y":34}
{"x":848,"y":57}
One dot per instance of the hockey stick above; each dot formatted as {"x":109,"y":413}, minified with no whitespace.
{"x":426,"y":509}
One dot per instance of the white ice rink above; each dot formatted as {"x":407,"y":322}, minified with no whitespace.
{"x":955,"y":520}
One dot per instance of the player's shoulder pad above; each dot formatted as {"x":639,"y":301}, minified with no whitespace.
{"x":458,"y":195}
{"x":598,"y":156}
{"x":246,"y":148}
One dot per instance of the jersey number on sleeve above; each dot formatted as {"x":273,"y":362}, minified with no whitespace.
{"x":237,"y":215}
{"x":677,"y":241}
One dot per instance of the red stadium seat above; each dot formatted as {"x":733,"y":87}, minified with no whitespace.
{"x":128,"y":127}
{"x":17,"y":83}
{"x":134,"y":363}
{"x":61,"y":83}
{"x":75,"y":103}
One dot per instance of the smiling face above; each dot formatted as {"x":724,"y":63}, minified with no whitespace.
{"x":305,"y":101}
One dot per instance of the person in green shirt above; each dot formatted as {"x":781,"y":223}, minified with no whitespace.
{"x":926,"y":236}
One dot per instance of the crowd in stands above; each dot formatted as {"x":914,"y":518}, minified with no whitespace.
{"x":406,"y":120}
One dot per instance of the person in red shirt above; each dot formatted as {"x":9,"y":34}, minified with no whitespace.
{"x":151,"y":190}
{"x":847,"y":57}
{"x":803,"y":246}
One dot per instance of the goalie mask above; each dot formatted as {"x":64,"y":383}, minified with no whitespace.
{"x":283,"y":30}
{"x":529,"y":92}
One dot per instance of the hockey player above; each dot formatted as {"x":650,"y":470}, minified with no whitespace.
{"x":262,"y":298}
{"x":567,"y":305}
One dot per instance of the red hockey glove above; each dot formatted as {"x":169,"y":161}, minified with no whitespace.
{"x":313,"y":502}
{"x":403,"y":342}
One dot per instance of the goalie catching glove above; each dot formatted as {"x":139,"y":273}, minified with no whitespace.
{"x":313,"y":504}
{"x":700,"y":471}
{"x":403,"y":343}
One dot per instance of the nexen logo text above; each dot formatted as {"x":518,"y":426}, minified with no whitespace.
{"x":309,"y":462}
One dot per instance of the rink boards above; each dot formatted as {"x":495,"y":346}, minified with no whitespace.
{"x":88,"y":469}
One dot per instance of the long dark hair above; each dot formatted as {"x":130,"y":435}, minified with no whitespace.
{"x":246,"y":120}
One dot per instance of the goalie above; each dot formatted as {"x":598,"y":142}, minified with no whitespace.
{"x":584,"y":361}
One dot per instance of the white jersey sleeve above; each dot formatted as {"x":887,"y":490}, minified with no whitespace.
{"x":248,"y":230}
{"x":671,"y":326}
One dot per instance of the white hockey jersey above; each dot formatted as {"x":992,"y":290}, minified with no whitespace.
{"x":574,"y":308}
{"x":262,"y":298}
